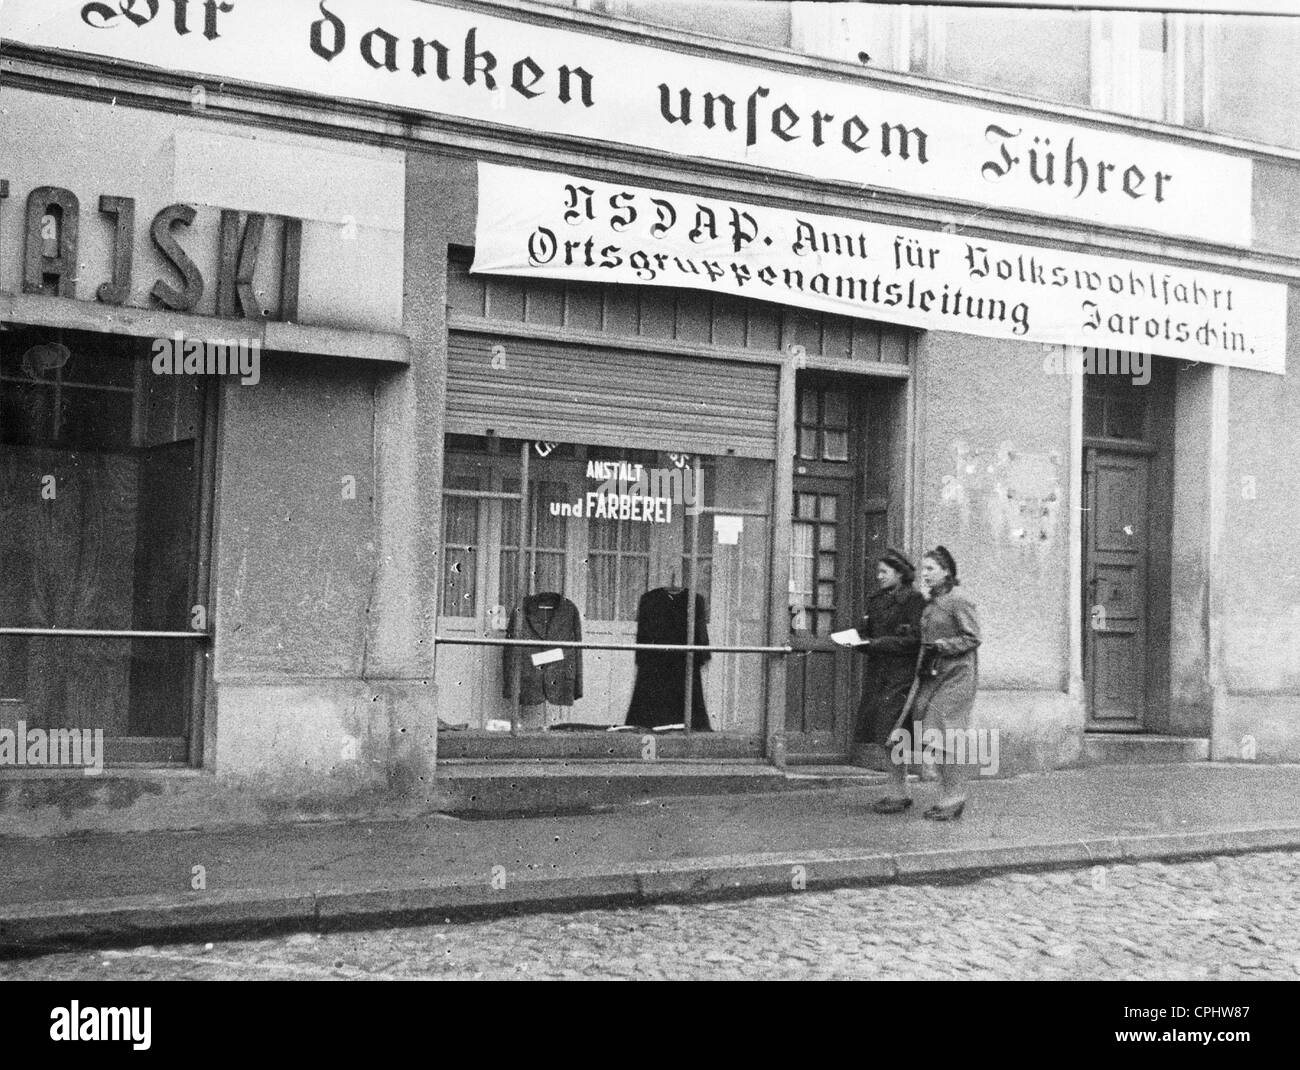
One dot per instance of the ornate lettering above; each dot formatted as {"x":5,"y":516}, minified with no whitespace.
{"x":50,"y":261}
{"x":122,"y":211}
{"x":237,"y":263}
{"x":186,"y":298}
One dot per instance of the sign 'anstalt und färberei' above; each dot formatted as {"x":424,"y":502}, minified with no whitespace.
{"x":551,"y":225}
{"x":567,"y":79}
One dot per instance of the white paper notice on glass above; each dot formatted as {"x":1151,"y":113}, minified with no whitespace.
{"x":727,"y":529}
{"x":848,"y":637}
{"x":547,"y":656}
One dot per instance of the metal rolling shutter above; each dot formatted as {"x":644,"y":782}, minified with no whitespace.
{"x":615,"y":397}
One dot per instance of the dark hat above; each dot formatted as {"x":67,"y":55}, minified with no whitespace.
{"x":941,"y":554}
{"x":899,"y":563}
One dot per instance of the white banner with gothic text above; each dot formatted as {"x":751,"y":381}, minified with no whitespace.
{"x":536,"y":223}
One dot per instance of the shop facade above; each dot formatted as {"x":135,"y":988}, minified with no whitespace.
{"x":165,"y":278}
{"x":317,"y":586}
{"x":652,"y":424}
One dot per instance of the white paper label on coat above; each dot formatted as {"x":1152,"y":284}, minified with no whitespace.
{"x":547,"y":656}
{"x":849,"y":637}
{"x":535,"y":224}
{"x":497,"y":726}
{"x":727,"y":529}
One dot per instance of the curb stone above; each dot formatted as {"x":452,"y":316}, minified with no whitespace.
{"x":59,"y":926}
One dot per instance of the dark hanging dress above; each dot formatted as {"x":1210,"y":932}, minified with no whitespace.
{"x":658,"y":697}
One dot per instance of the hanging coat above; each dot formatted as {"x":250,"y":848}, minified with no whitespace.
{"x":546,"y":617}
{"x":950,"y":673}
{"x":893,"y":624}
{"x":658,"y":697}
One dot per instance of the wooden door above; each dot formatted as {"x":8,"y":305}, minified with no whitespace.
{"x":823,"y":547}
{"x":1116,"y":548}
{"x":819,"y":702}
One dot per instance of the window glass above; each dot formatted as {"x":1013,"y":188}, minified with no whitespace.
{"x":99,"y":507}
{"x":823,"y":424}
{"x":1139,"y":64}
{"x":808,"y":407}
{"x":852,"y":32}
{"x":814,"y":563}
{"x":460,"y":549}
{"x":1125,"y":417}
{"x":802,"y":560}
{"x":1113,"y":406}
{"x":609,"y":540}
{"x":836,"y":412}
{"x":808,"y":443}
{"x":836,"y":446}
{"x":545,"y":558}
{"x":620,"y":561}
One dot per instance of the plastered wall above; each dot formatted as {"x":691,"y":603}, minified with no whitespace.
{"x":993,"y":486}
{"x":299,"y":711}
{"x":1261,"y":562}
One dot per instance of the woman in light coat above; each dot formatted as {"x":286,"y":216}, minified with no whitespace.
{"x":948,"y":672}
{"x":950,"y":639}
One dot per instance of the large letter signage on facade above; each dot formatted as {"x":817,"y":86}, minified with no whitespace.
{"x":551,"y":225}
{"x":499,"y":69}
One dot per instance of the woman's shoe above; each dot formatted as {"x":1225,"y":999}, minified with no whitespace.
{"x":946,"y":813}
{"x":891,"y":806}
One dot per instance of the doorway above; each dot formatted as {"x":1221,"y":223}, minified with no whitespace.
{"x":846,"y":510}
{"x":1117,"y":632}
{"x":1127,"y":509}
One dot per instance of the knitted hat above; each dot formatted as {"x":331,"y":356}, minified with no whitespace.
{"x":945,"y":559}
{"x":899,"y":563}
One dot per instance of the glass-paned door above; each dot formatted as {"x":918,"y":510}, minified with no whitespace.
{"x":825,"y":530}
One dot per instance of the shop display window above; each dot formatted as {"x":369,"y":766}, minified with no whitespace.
{"x":99,"y":532}
{"x":616,"y":544}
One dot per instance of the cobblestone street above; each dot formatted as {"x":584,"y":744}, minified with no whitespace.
{"x":1224,"y":918}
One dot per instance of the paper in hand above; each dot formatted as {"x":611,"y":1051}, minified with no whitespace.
{"x":849,"y":637}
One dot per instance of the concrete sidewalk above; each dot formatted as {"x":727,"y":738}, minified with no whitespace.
{"x":140,"y":887}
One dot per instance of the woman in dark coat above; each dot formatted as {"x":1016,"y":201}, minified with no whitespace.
{"x":892,"y":628}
